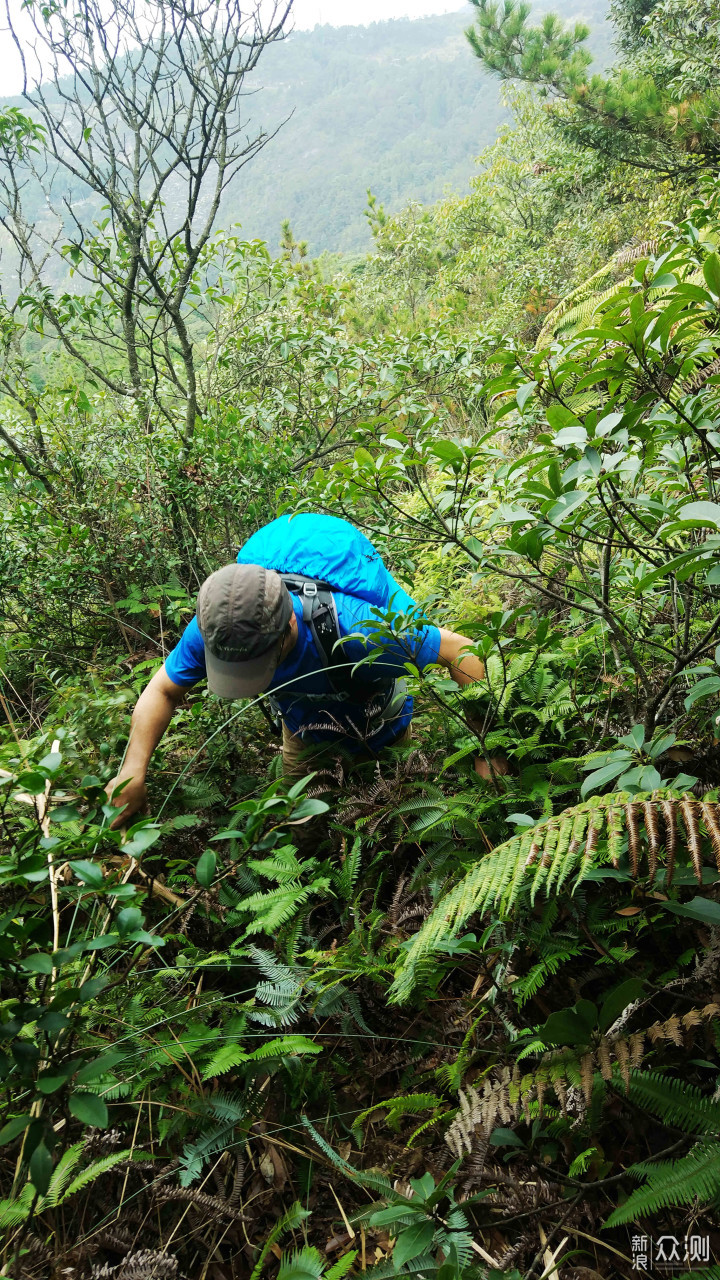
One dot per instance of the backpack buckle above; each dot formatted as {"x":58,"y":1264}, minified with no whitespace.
{"x":309,"y":589}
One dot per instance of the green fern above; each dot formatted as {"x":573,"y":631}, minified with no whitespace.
{"x":396,"y":1108}
{"x":377,"y":1181}
{"x":293,"y":1218}
{"x":62,"y":1185}
{"x":675,"y":1102}
{"x":673,"y":1182}
{"x":546,"y":857}
{"x":308,"y":1264}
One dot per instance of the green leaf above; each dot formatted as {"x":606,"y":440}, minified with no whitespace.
{"x":703,"y":689}
{"x":51,"y":762}
{"x":99,"y":1067}
{"x":49,"y":1082}
{"x":569,"y":436}
{"x":618,"y":999}
{"x":505,"y":1138}
{"x":704,"y":910}
{"x":41,"y":1167}
{"x":128,"y":919}
{"x":570,"y":1026}
{"x":38,"y":963}
{"x":88,"y":1108}
{"x":205,"y":869}
{"x":447,"y":452}
{"x":711,"y":272}
{"x":33,"y":782}
{"x":389,"y":1217}
{"x":13,"y":1129}
{"x":608,"y":423}
{"x":413,"y":1241}
{"x":141,"y":839}
{"x":566,"y":504}
{"x":664,"y":281}
{"x":89,"y":872}
{"x":523,"y":393}
{"x":308,"y":808}
{"x":701,"y":513}
{"x":607,"y":774}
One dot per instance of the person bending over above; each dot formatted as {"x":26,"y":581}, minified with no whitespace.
{"x":292,"y":618}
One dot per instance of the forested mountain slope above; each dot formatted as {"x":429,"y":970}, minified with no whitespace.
{"x":400,"y":107}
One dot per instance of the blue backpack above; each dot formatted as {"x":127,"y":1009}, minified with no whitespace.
{"x":317,"y":555}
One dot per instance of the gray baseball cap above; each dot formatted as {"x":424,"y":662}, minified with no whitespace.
{"x":243,"y":611}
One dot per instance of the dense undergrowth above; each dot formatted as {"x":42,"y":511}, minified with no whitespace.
{"x":443,"y":1027}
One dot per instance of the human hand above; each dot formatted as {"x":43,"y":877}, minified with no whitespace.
{"x":131,"y":799}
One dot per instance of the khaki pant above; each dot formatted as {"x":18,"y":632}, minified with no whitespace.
{"x":300,"y":758}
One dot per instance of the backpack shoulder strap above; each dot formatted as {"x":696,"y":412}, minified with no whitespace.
{"x":319,"y":611}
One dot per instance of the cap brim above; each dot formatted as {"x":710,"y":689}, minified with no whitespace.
{"x":241,"y":679}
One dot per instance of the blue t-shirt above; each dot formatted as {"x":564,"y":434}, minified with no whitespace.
{"x":300,"y":679}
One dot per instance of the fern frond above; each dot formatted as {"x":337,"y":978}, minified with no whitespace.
{"x":673,"y":1182}
{"x":94,"y":1171}
{"x":63,"y":1172}
{"x":303,"y":1264}
{"x":13,"y":1212}
{"x":377,"y":1181}
{"x":676,"y":1102}
{"x":545,"y":858}
{"x":224,"y":1059}
{"x":409,"y":1104}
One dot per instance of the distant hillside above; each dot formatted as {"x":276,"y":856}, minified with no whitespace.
{"x":402,"y":107}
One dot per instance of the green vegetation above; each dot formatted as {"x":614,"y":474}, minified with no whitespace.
{"x":474,"y":1031}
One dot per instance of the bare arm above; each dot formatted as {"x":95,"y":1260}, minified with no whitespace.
{"x":464,"y":668}
{"x":151,"y":717}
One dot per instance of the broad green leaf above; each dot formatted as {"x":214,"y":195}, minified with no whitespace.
{"x":704,"y":910}
{"x":88,"y":1108}
{"x":205,"y":869}
{"x":41,"y":1167}
{"x":569,"y":436}
{"x":91,"y":873}
{"x":413,"y":1241}
{"x":38,"y":963}
{"x":52,"y":761}
{"x":523,"y":393}
{"x":308,"y":808}
{"x":447,"y":451}
{"x":505,"y":1138}
{"x":607,"y":774}
{"x":141,"y":840}
{"x":570,"y":1026}
{"x":618,"y":999}
{"x":395,"y":1213}
{"x":703,"y":689}
{"x":14,"y":1128}
{"x":608,"y":423}
{"x":711,"y":272}
{"x":100,"y":1066}
{"x":128,"y":919}
{"x":666,"y":280}
{"x":702,"y":513}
